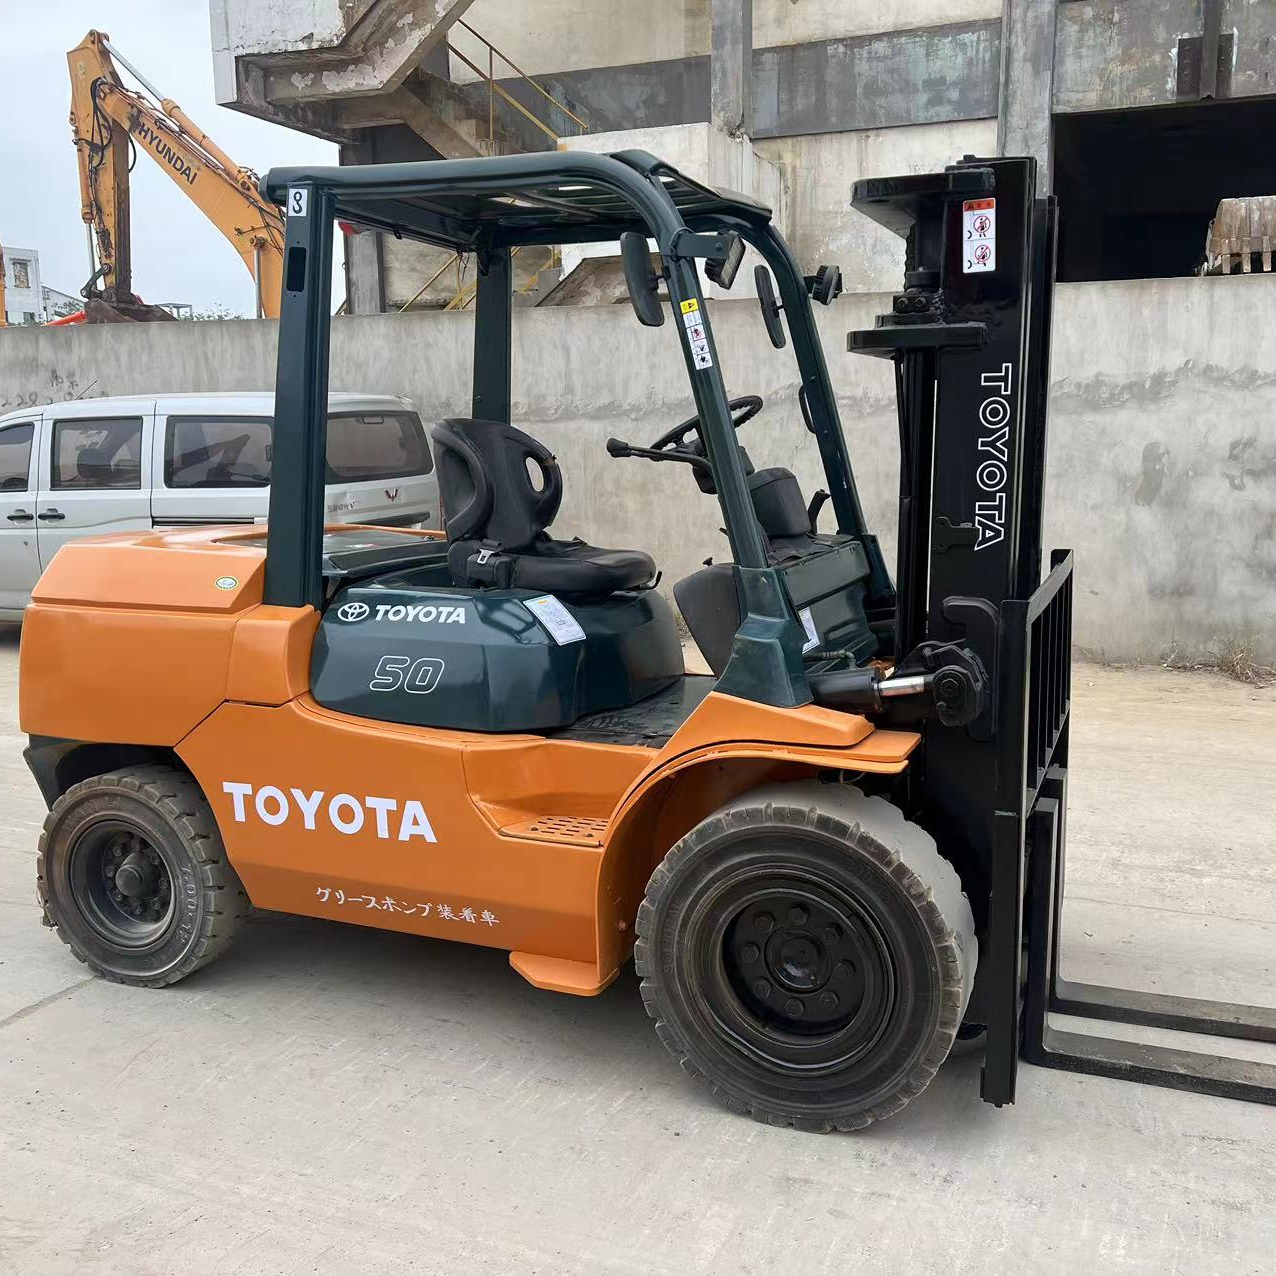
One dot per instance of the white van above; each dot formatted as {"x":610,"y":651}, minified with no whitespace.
{"x":123,"y":464}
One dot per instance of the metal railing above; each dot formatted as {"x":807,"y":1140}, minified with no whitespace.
{"x":465,"y":292}
{"x":495,"y":90}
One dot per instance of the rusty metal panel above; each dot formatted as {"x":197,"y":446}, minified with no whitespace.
{"x":1127,"y":53}
{"x":1120,"y":53}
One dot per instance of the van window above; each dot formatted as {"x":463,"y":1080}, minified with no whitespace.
{"x":94,"y":454}
{"x":210,"y":451}
{"x":376,"y":446}
{"x":15,"y":457}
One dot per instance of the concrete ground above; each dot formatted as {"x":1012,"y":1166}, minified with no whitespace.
{"x":326,"y":1098}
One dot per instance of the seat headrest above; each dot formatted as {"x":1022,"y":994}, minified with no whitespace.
{"x":486,"y":483}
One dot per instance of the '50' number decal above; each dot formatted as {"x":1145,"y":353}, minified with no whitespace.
{"x":419,"y":676}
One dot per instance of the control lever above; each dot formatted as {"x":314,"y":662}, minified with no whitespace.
{"x":619,"y":448}
{"x":814,"y":508}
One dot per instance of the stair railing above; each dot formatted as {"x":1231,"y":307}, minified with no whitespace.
{"x":494,"y":89}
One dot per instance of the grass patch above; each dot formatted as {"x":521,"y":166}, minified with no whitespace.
{"x":1235,"y":656}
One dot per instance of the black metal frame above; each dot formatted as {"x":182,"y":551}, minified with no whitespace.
{"x":488,"y":207}
{"x":972,"y":354}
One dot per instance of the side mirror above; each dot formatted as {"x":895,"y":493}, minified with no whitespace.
{"x":722,"y":270}
{"x":641,"y":278}
{"x":770,"y":307}
{"x":825,"y":286}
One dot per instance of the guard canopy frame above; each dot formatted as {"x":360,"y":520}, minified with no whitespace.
{"x":489,"y":207}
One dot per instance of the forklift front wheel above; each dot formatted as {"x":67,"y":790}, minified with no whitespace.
{"x":808,"y":953}
{"x":133,"y":875}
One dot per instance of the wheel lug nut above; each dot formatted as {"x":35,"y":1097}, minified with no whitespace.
{"x":115,"y":894}
{"x":793,"y":1008}
{"x":797,"y":915}
{"x":828,"y":1001}
{"x":845,"y":969}
{"x":832,"y":934}
{"x":765,"y":923}
{"x":762,"y":989}
{"x":750,"y":953}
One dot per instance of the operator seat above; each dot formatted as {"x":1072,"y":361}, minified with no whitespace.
{"x":496,"y":517}
{"x":824,"y":575}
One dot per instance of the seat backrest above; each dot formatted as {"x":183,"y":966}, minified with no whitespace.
{"x":485,"y":485}
{"x":778,"y":503}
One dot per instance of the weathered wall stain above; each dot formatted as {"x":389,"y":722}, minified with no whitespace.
{"x":1152,"y":478}
{"x":1246,"y":459}
{"x":57,"y":388}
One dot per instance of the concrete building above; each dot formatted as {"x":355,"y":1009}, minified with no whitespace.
{"x":1143,"y":113}
{"x":23,"y":296}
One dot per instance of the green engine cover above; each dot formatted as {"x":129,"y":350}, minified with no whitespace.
{"x":402,"y":649}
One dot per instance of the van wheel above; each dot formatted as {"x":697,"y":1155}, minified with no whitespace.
{"x":133,"y":875}
{"x":807,"y":953}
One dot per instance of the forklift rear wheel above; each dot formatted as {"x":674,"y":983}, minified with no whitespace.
{"x":807,"y":953}
{"x":133,"y":876}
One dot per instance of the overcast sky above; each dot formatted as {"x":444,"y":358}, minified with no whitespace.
{"x":177,"y":253}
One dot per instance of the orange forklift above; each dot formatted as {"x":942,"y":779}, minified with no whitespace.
{"x":828,"y":858}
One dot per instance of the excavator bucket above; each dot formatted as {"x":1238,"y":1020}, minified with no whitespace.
{"x":1242,"y":230}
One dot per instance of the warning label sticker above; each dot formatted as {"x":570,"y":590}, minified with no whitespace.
{"x":812,"y":633}
{"x":979,"y":236}
{"x":561,"y":624}
{"x":697,"y":337}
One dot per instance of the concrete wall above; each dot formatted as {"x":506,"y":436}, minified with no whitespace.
{"x":1162,"y":469}
{"x":1126,"y":53}
{"x":568,"y":35}
{"x":565,"y":35}
{"x":269,"y":26}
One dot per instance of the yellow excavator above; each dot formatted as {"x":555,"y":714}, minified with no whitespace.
{"x":110,"y":123}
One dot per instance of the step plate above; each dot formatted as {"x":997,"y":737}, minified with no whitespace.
{"x":571,"y":830}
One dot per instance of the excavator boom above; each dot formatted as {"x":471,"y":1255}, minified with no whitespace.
{"x":108,"y":122}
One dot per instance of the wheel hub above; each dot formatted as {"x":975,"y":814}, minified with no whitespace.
{"x":121,"y":884}
{"x":800,"y":963}
{"x":136,"y":877}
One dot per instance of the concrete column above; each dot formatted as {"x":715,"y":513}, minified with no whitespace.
{"x":365,"y":275}
{"x":1027,"y":82}
{"x":731,"y":65}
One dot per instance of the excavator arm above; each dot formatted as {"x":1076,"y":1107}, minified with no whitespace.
{"x":3,"y":320}
{"x":110,"y":123}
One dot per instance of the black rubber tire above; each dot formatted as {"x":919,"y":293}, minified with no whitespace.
{"x":169,"y":808}
{"x":858,"y":848}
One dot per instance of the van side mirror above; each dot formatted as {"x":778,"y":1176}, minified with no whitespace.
{"x":641,"y":279}
{"x":771,"y":308}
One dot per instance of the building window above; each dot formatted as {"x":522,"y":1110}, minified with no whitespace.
{"x":1138,"y":188}
{"x":22,"y":274}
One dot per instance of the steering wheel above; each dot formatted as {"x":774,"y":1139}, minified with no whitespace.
{"x":742,"y":409}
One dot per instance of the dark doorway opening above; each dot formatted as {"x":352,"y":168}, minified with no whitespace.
{"x":1137,"y":189}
